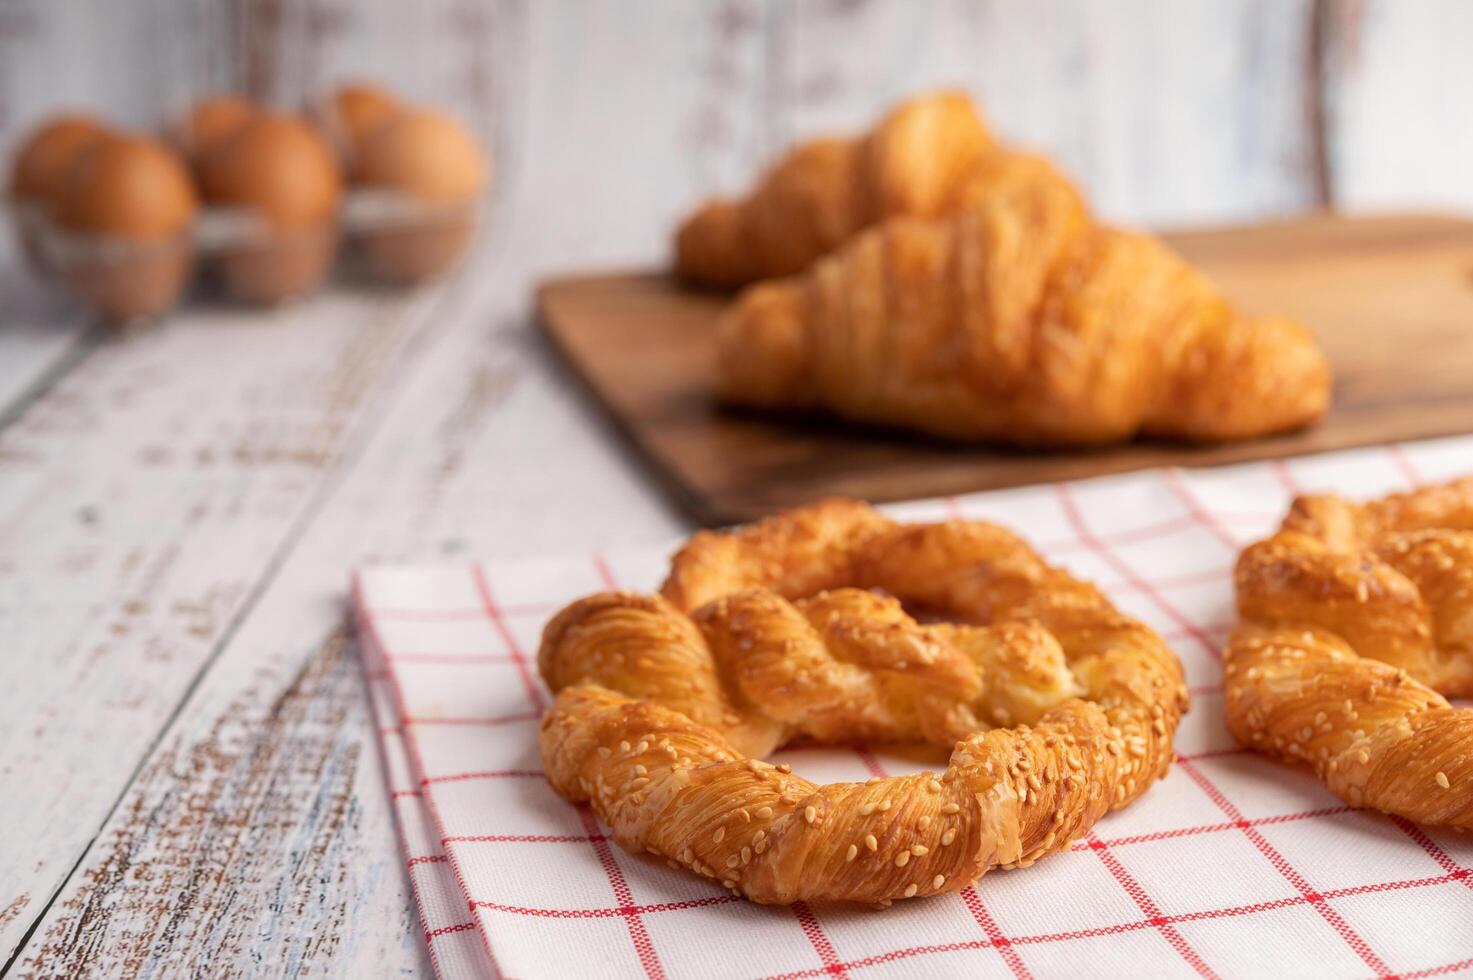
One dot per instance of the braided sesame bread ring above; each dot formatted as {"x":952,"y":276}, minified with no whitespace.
{"x":768,"y":634}
{"x":1357,"y":619}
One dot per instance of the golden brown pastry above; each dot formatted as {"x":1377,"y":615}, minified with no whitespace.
{"x":794,"y":628}
{"x":1019,"y":321}
{"x":827,"y":189}
{"x":1354,"y":618}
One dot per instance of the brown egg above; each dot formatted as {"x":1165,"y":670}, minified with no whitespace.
{"x":45,"y":156}
{"x":39,"y":167}
{"x":280,"y":169}
{"x":128,"y":204}
{"x":127,"y":186}
{"x":211,"y":120}
{"x":439,"y":170}
{"x":278,"y":166}
{"x":358,"y":109}
{"x":426,"y":155}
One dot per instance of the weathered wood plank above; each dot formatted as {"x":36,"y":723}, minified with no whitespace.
{"x":242,"y":561}
{"x":1398,"y":85}
{"x":141,"y":500}
{"x":1174,"y":114}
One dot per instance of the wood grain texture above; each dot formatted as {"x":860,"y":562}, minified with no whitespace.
{"x":1399,"y":83}
{"x":185,"y":506}
{"x":142,"y":499}
{"x":1391,"y":301}
{"x":271,"y":807}
{"x":1171,"y":114}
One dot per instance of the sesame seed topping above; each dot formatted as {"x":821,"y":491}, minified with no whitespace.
{"x":746,"y":854}
{"x":720,"y":835}
{"x":871,"y":843}
{"x":643,"y":746}
{"x":765,"y":813}
{"x":746,"y":817}
{"x":810,"y":814}
{"x":934,"y":785}
{"x":951,"y":808}
{"x":902,"y":859}
{"x":1442,"y":780}
{"x":884,"y":805}
{"x":910,"y":890}
{"x":624,"y":746}
{"x":919,"y":850}
{"x":852,"y":853}
{"x":938,"y":881}
{"x":949,"y":836}
{"x":733,"y":861}
{"x":640,"y":770}
{"x":785,"y":768}
{"x":924,"y":822}
{"x":867,"y":809}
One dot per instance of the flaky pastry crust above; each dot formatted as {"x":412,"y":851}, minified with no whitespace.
{"x":1018,"y":320}
{"x":794,"y":629}
{"x":1357,"y":624}
{"x":825,"y":190}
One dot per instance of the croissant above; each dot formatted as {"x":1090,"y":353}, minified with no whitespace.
{"x":795,"y":629}
{"x":1018,"y":320}
{"x":1357,"y":621}
{"x":827,"y":189}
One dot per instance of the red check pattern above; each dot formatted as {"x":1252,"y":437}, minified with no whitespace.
{"x":1233,"y":866}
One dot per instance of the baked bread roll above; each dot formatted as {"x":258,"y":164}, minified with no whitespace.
{"x":794,"y":629}
{"x":1018,"y":320}
{"x":1357,"y":624}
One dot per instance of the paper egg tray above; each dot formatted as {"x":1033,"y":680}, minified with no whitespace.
{"x":380,"y":235}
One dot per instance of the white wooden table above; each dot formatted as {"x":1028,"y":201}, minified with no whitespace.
{"x":189,"y":781}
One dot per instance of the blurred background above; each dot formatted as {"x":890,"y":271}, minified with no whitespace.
{"x":607,"y":120}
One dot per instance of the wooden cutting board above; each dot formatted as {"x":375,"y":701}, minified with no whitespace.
{"x":1390,"y":298}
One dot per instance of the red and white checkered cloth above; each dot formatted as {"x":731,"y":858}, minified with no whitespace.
{"x":1232,"y":866}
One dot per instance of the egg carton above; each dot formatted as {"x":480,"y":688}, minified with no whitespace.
{"x":383,"y":235}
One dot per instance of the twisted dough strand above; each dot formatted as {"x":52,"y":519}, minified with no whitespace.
{"x":660,"y":710}
{"x":1355,"y":617}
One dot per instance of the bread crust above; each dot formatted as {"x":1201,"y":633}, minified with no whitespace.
{"x":1356,"y":626}
{"x":1056,"y":706}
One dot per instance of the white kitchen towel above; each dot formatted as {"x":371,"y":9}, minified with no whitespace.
{"x":1233,"y":866}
